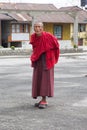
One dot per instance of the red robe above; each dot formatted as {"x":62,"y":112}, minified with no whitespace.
{"x":46,"y":43}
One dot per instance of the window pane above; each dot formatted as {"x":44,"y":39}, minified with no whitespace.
{"x":17,"y":28}
{"x":58,"y":31}
{"x":13,"y":28}
{"x":26,"y":28}
{"x":82,"y":27}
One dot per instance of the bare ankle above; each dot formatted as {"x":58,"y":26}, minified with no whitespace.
{"x":44,"y":99}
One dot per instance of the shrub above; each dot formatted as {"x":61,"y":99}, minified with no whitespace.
{"x":1,"y":47}
{"x":13,"y":47}
{"x":75,"y":46}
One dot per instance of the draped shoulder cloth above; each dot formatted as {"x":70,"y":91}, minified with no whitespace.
{"x":46,"y":43}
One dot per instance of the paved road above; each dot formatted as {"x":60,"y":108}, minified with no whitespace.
{"x":66,"y":111}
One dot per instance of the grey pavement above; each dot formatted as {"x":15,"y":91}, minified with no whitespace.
{"x":67,"y":110}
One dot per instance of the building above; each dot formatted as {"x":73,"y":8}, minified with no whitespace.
{"x":16,"y":23}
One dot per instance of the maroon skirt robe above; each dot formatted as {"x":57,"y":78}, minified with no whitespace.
{"x":43,"y":79}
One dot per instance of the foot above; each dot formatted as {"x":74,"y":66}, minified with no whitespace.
{"x":37,"y":104}
{"x":42,"y":105}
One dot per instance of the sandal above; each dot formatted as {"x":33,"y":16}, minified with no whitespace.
{"x":42,"y":105}
{"x":37,"y":104}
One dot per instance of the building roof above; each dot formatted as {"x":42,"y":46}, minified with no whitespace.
{"x":53,"y":15}
{"x":82,"y":17}
{"x":5,"y":17}
{"x":58,"y":17}
{"x":21,"y":17}
{"x":72,"y":10}
{"x":27,"y":6}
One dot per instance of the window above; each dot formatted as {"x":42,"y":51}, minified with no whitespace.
{"x":82,"y":27}
{"x":24,"y":28}
{"x":20,"y":28}
{"x":15,"y":28}
{"x":58,"y":31}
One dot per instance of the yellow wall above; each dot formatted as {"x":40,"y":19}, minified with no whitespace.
{"x":65,"y":29}
{"x":48,"y":27}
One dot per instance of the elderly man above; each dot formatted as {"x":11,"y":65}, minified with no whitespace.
{"x":43,"y":58}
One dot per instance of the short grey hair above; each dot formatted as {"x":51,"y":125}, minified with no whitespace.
{"x":38,"y":22}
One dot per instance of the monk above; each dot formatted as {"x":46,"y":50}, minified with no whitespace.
{"x":44,"y":56}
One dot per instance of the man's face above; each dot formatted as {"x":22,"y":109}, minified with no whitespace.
{"x":38,"y":28}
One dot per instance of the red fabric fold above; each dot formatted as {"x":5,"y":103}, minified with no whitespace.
{"x":45,"y":43}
